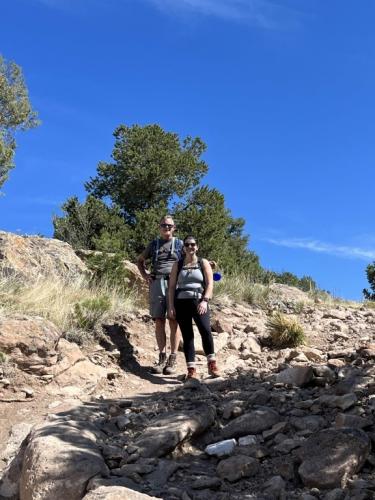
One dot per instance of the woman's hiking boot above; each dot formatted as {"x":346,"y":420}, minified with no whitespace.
{"x":191,"y":373}
{"x":212,"y":368}
{"x":170,"y":367}
{"x":159,"y":367}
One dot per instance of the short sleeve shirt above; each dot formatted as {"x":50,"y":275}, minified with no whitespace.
{"x":165,"y":258}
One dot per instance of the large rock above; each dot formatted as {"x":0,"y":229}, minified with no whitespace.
{"x":331,"y":456}
{"x":59,"y":460}
{"x":32,"y":257}
{"x":116,"y":493}
{"x":254,"y":422}
{"x":164,"y":434}
{"x":30,"y":343}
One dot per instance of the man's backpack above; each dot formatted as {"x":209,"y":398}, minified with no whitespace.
{"x":176,"y":248}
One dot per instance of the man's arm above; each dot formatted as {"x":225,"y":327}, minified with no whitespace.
{"x":141,"y":264}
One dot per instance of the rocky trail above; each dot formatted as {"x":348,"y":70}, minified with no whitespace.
{"x":96,"y":424}
{"x":93,"y":423}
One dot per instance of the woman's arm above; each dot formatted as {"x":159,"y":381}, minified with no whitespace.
{"x":172,"y":289}
{"x":207,"y":271}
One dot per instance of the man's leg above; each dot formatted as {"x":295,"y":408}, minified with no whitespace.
{"x":161,"y":338}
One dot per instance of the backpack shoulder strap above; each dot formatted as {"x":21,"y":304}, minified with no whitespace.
{"x":180,"y":265}
{"x":200,"y":264}
{"x":155,"y":251}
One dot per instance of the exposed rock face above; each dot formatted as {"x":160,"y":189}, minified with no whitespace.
{"x":31,"y":257}
{"x":332,"y":455}
{"x":59,"y":460}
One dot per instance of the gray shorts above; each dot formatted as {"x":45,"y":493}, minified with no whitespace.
{"x":158,"y":297}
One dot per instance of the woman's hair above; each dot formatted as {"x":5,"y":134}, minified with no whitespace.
{"x":190,"y":237}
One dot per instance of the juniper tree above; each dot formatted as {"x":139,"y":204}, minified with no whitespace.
{"x":15,"y":113}
{"x":370,"y":273}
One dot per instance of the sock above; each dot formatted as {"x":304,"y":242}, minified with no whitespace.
{"x":211,"y":357}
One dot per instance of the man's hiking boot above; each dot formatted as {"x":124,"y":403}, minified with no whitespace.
{"x":170,"y":367}
{"x":191,"y":373}
{"x":159,"y":367}
{"x":213,"y":369}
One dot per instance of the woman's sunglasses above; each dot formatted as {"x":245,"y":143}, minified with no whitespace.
{"x":187,"y":245}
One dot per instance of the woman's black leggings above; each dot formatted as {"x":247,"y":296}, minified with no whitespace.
{"x":186,"y":311}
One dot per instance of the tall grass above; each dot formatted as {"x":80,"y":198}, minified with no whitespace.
{"x":59,"y":301}
{"x":242,"y":288}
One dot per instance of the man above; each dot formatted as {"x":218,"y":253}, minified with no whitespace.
{"x":162,"y":253}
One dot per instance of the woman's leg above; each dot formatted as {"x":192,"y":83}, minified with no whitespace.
{"x":184,"y":308}
{"x":203,"y":323}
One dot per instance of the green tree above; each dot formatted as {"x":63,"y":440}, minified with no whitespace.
{"x":15,"y":113}
{"x":370,"y":273}
{"x":92,"y":225}
{"x":220,"y":236}
{"x":150,"y":166}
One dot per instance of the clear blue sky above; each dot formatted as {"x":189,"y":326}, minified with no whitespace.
{"x":283,"y":93}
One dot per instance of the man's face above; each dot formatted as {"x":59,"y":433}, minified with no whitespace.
{"x":166,"y":228}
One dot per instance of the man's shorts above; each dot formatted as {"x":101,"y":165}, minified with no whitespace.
{"x":158,"y":297}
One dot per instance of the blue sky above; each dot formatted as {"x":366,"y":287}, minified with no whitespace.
{"x":282,"y":93}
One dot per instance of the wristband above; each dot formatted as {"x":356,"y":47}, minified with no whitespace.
{"x":204,"y":299}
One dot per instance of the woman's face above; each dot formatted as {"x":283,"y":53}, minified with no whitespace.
{"x":190,"y":246}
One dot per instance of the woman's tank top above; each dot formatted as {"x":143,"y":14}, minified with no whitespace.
{"x":190,"y":283}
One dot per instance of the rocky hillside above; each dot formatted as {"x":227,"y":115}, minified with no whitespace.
{"x":94,"y":423}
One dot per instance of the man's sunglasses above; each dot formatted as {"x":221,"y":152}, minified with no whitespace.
{"x":187,"y":245}
{"x":167,"y":226}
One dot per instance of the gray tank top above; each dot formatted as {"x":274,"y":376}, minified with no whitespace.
{"x":190,"y":283}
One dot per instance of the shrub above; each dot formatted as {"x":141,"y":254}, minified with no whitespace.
{"x":285,"y":331}
{"x":88,"y":313}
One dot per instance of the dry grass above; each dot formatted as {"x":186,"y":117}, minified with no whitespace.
{"x":242,"y":288}
{"x":285,"y":331}
{"x":58,"y":301}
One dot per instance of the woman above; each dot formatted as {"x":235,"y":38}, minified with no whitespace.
{"x":190,"y":289}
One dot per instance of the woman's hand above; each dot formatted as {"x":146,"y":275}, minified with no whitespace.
{"x":202,"y":307}
{"x":172,"y":313}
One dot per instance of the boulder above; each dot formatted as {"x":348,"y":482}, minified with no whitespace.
{"x":253,"y":422}
{"x":331,"y":456}
{"x":165,"y":433}
{"x":59,"y":460}
{"x":32,"y":257}
{"x":30,"y":343}
{"x":116,"y":493}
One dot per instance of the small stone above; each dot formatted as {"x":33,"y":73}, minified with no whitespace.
{"x":122,"y":422}
{"x":274,"y":487}
{"x":234,"y":468}
{"x":204,"y":482}
{"x":247,"y":440}
{"x":28,"y":392}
